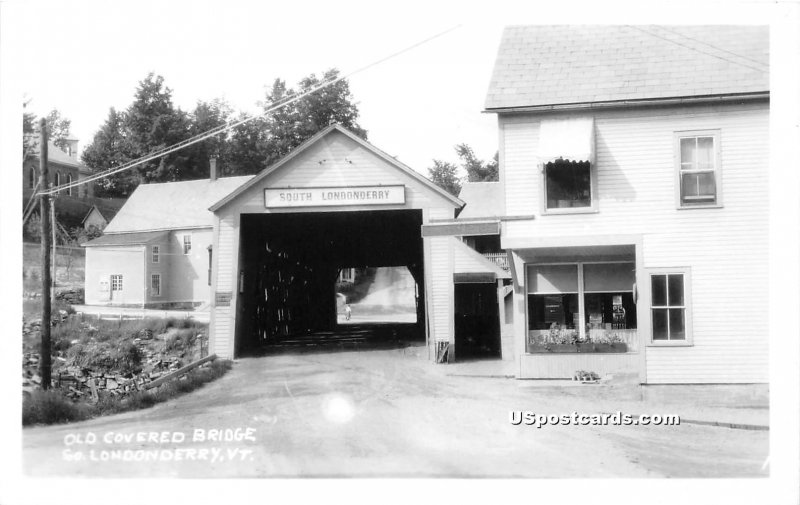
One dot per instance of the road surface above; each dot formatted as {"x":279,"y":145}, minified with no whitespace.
{"x":381,"y":413}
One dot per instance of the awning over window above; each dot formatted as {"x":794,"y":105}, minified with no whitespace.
{"x":568,"y":139}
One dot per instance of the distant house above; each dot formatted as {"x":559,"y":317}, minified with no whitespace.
{"x":101,"y":213}
{"x":633,"y":162}
{"x":76,"y":206}
{"x":63,"y":166}
{"x":157,"y":250}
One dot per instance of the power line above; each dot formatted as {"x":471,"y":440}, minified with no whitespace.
{"x":715,"y":47}
{"x":696,"y":49}
{"x":220,"y":129}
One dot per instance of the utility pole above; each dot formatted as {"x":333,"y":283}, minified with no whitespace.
{"x":54,"y":254}
{"x":44,"y":214}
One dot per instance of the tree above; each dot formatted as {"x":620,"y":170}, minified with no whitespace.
{"x":292,"y":125}
{"x":109,"y":149}
{"x":57,"y":128}
{"x":477,"y":170}
{"x":206,"y":117}
{"x":152,"y":122}
{"x":444,"y":175}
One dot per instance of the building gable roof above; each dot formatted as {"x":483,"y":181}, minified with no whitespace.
{"x":56,"y":155}
{"x":172,"y":205}
{"x":313,"y":140}
{"x":558,"y":65}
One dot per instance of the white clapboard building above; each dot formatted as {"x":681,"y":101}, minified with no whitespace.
{"x":627,"y":234}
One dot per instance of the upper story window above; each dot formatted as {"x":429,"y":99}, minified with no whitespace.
{"x":566,"y":152}
{"x":568,"y":184}
{"x":187,"y":244}
{"x":156,"y":250}
{"x":698,"y":168}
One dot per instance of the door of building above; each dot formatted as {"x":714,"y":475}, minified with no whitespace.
{"x":116,"y":288}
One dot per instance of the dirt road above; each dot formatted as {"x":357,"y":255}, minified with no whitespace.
{"x":378,"y":413}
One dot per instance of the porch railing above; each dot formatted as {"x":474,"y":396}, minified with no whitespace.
{"x":499,"y":259}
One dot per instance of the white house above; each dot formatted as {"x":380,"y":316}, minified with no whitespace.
{"x":157,"y":250}
{"x":634,"y":162}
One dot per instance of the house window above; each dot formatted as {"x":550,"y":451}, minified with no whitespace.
{"x":155,"y":253}
{"x":32,"y":182}
{"x":155,"y":284}
{"x":69,"y":181}
{"x":698,"y":168}
{"x":568,"y":184}
{"x":187,"y":244}
{"x":116,"y":283}
{"x":669,"y":307}
{"x":58,"y":179}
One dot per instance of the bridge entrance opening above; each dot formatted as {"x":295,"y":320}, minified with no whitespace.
{"x":294,"y":267}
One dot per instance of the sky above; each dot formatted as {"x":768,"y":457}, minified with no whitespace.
{"x":416,"y":106}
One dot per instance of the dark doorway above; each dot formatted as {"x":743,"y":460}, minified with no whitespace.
{"x":477,"y":324}
{"x":290,"y":264}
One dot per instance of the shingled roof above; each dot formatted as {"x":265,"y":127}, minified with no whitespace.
{"x":173,"y":205}
{"x":557,"y":65}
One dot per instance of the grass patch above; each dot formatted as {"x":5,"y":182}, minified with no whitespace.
{"x":50,"y":407}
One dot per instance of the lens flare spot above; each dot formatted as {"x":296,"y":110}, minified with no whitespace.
{"x":338,"y":408}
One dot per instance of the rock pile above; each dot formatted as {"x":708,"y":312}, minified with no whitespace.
{"x":74,"y":296}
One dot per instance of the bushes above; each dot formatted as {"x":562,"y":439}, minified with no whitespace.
{"x":125,"y":358}
{"x":180,"y":340}
{"x":49,"y":407}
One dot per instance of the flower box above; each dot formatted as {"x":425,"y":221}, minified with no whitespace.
{"x":551,"y":348}
{"x":616,"y":347}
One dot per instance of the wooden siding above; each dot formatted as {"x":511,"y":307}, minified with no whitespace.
{"x":440,"y":308}
{"x":224,"y":261}
{"x":334,"y":161}
{"x":726,"y":248}
{"x":564,"y":365}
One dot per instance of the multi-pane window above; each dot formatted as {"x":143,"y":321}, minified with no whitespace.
{"x":69,"y":181}
{"x":155,"y":253}
{"x":587,"y":297}
{"x":698,"y":171}
{"x":187,"y":244}
{"x":568,"y":184}
{"x":116,"y":283}
{"x":155,"y":284}
{"x":668,"y":306}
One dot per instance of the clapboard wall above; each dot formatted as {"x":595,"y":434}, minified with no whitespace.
{"x":333,"y":160}
{"x":725,"y":248}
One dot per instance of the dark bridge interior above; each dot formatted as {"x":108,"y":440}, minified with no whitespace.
{"x":288,"y":268}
